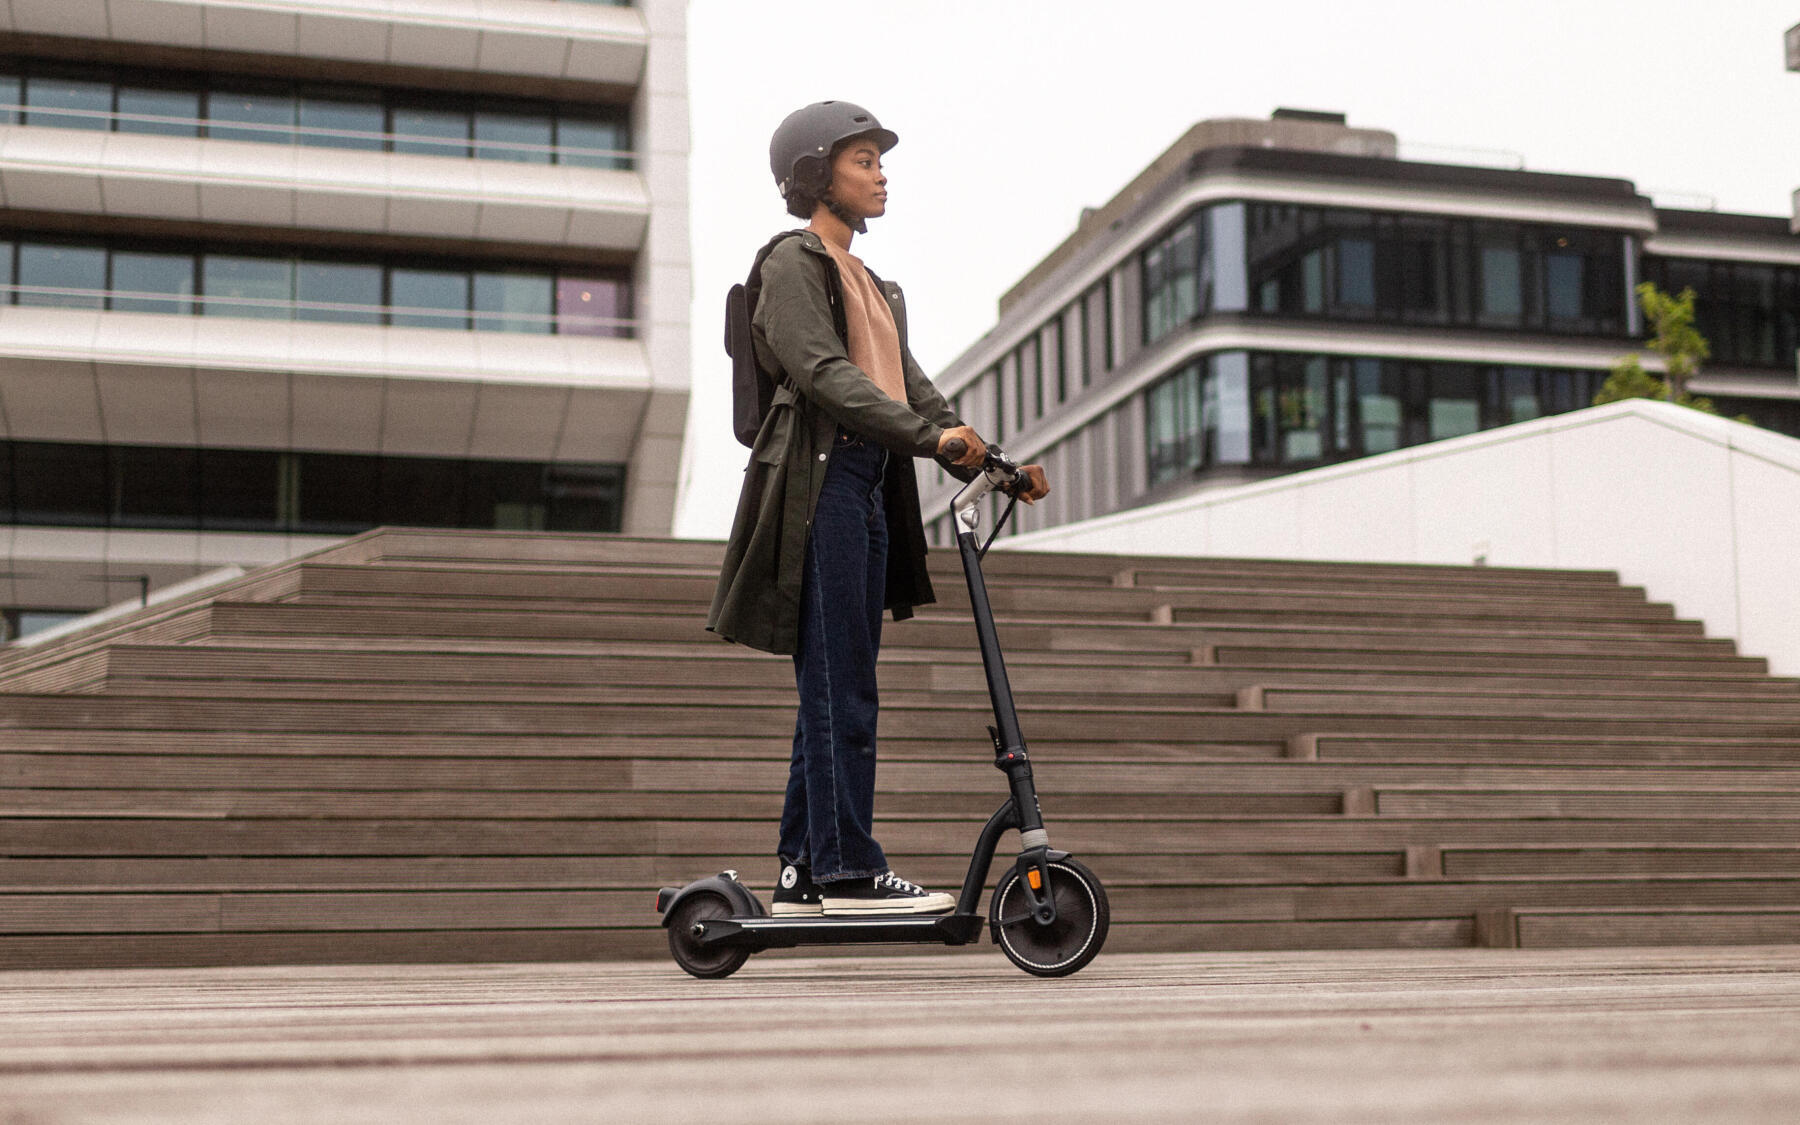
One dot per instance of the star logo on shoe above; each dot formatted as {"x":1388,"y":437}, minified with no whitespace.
{"x":789,"y":876}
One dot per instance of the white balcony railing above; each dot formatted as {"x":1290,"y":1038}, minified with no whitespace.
{"x":317,"y":136}
{"x":266,"y":308}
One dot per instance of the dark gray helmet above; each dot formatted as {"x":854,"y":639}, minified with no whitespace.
{"x":811,"y":132}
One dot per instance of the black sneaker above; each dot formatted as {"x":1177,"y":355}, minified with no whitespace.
{"x":884,"y":894}
{"x":795,"y":892}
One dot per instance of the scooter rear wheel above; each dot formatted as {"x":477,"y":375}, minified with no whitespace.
{"x":1065,"y":945}
{"x":708,"y":962}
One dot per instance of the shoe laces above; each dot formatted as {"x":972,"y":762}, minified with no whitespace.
{"x":892,"y":881}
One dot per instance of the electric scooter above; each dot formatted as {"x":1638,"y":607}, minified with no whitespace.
{"x":1048,"y":913}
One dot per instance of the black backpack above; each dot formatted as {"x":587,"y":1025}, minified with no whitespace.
{"x":752,"y":385}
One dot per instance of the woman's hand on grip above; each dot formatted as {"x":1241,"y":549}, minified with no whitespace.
{"x":973,"y":451}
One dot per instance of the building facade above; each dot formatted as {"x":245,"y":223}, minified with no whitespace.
{"x":1277,"y":295}
{"x":271,"y":274}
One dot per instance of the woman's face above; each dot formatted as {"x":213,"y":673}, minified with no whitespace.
{"x":857,"y":183}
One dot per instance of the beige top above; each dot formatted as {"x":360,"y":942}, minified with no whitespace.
{"x":874,"y":341}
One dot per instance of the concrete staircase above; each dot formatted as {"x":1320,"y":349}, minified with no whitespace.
{"x":478,"y":746}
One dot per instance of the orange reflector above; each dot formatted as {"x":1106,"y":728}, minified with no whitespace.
{"x":1035,"y":879}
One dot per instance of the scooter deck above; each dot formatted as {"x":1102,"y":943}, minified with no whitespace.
{"x":788,"y":931}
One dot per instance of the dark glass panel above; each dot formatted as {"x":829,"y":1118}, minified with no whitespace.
{"x":234,"y":285}
{"x":59,"y":485}
{"x":434,"y":298}
{"x":68,"y":103}
{"x":181,"y":107}
{"x":431,"y":132}
{"x":12,"y":90}
{"x":505,"y":495}
{"x":339,"y":493}
{"x":142,"y":273}
{"x":422,"y":492}
{"x":607,"y":143}
{"x":1455,"y":408}
{"x":266,"y":117}
{"x":1380,"y":405}
{"x":585,"y":497}
{"x":1356,"y":273}
{"x":242,"y":490}
{"x":324,"y":123}
{"x":154,"y":486}
{"x":1565,"y":287}
{"x":517,"y":302}
{"x":1096,"y":332}
{"x":513,"y":136}
{"x":1502,"y":302}
{"x":69,"y":276}
{"x":593,"y":307}
{"x":344,"y":292}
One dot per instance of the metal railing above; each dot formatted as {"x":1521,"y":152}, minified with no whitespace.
{"x":476,"y":320}
{"x":206,"y":128}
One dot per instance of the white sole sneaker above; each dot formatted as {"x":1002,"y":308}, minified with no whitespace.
{"x":796,"y":909}
{"x":927,"y":904}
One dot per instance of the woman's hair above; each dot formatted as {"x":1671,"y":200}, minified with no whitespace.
{"x":811,"y":180}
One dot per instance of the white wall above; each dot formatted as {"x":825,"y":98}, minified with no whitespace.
{"x":1702,"y":512}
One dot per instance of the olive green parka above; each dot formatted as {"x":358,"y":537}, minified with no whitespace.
{"x":797,"y":327}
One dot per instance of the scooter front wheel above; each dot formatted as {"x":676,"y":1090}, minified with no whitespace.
{"x":703,"y":961}
{"x":1065,"y":945}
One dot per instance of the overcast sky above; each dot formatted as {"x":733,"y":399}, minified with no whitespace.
{"x":1014,"y":115}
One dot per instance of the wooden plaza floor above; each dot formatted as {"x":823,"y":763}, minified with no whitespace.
{"x":1665,"y":1034}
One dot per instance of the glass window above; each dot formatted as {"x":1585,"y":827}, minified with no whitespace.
{"x":153,"y":486}
{"x":1378,"y":406}
{"x":1171,"y":279}
{"x":521,"y":300}
{"x":593,"y":307}
{"x":1500,"y":293}
{"x":68,"y":103}
{"x":431,"y":132}
{"x":584,"y":497}
{"x":338,"y":493}
{"x":249,"y":287}
{"x":505,"y":496}
{"x":1564,"y":285}
{"x":605,"y":142}
{"x":268,"y":118}
{"x":324,"y":123}
{"x":1519,"y":394}
{"x":1356,"y":273}
{"x":242,"y":490}
{"x":12,"y":91}
{"x":1225,"y":408}
{"x":512,"y":136}
{"x":59,"y":485}
{"x":1455,"y":402}
{"x":430,"y":298}
{"x":421,"y":492}
{"x":1096,"y":332}
{"x":66,"y":276}
{"x":345,"y":292}
{"x":178,"y":109}
{"x":136,"y":275}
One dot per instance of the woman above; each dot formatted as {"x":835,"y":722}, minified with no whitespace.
{"x":828,"y":531}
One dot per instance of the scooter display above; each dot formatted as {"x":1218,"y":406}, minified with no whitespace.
{"x":1048,"y":913}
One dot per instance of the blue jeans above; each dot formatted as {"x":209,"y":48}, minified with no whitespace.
{"x":828,"y":818}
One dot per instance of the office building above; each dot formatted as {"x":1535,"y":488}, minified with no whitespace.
{"x":272,"y":274}
{"x":1275,"y":295}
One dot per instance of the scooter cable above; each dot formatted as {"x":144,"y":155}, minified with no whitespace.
{"x":1011,"y":503}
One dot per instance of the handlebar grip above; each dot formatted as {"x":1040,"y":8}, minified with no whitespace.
{"x":955,"y":448}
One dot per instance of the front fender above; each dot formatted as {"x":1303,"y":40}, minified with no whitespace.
{"x":725,"y":883}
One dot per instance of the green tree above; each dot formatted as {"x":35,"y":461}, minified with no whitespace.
{"x":1676,"y":340}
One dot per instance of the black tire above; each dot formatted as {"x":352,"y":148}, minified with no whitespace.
{"x":706,"y":962}
{"x":1065,"y":945}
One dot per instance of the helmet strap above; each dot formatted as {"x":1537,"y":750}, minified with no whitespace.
{"x":846,"y":216}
